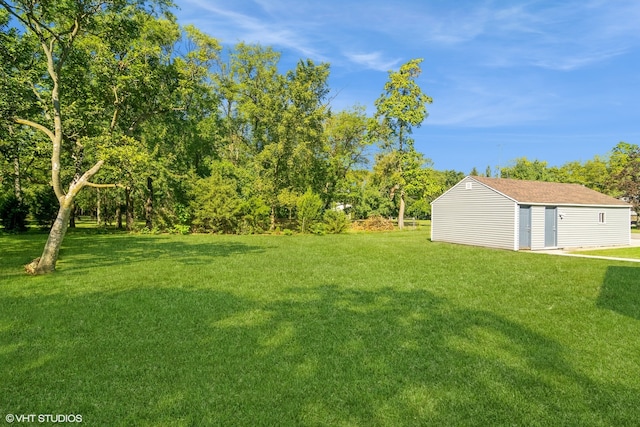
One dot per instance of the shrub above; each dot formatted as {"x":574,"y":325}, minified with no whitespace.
{"x":254,"y":213}
{"x":216,"y":205}
{"x":318,"y":228}
{"x":180,"y":229}
{"x":13,"y":214}
{"x":309,"y":209}
{"x":336,"y":222}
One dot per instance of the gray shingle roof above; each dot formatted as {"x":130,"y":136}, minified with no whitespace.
{"x":540,"y":192}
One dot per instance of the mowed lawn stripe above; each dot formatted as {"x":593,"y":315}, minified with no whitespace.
{"x":356,"y":329}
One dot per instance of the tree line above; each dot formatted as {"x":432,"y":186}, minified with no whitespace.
{"x":616,"y":173}
{"x":111,"y":109}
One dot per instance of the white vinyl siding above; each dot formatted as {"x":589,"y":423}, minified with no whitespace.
{"x":474,"y":216}
{"x":473,"y":213}
{"x":581,"y":226}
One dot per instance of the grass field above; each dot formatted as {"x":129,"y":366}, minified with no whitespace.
{"x":632,"y":252}
{"x":383,"y":329}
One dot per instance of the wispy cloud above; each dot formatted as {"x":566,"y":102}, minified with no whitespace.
{"x":235,"y":25}
{"x":561,"y":36}
{"x":324,"y":31}
{"x":373,"y":60}
{"x":465,"y":100}
{"x":573,"y":62}
{"x":457,"y":110}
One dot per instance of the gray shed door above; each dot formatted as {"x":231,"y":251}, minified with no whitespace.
{"x":550,"y":227}
{"x":525,"y":227}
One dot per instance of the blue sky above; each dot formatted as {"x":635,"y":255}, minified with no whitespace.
{"x":550,"y":80}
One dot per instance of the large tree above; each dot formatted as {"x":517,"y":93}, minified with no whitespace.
{"x":625,"y":174}
{"x":274,"y":122}
{"x":59,"y":27}
{"x":400,"y":108}
{"x":345,"y":143}
{"x":523,"y":168}
{"x":156,"y":96}
{"x":18,"y":146}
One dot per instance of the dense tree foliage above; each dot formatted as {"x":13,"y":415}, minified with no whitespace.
{"x":401,"y":107}
{"x":161,"y":125}
{"x":112,"y":111}
{"x":616,"y":173}
{"x":625,"y":173}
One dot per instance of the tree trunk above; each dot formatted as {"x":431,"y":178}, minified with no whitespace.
{"x":72,"y":216}
{"x":119,"y":217}
{"x":98,"y":207}
{"x":401,"y":211}
{"x":148,"y":207}
{"x":17,"y":187}
{"x":129,"y":212}
{"x":47,"y":263}
{"x":273,"y":218}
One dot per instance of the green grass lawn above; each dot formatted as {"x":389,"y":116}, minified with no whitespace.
{"x":633,"y":252}
{"x":362,"y":329}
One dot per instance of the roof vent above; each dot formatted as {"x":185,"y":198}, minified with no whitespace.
{"x":468,"y":185}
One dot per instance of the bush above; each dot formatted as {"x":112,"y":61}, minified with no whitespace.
{"x":336,"y":222}
{"x":13,"y":214}
{"x":255,"y":216}
{"x":309,"y":209}
{"x":180,"y":229}
{"x":216,"y":205}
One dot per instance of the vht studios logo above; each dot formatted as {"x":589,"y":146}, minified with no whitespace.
{"x":43,"y":418}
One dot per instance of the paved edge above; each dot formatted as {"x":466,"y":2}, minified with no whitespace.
{"x":593,"y":256}
{"x":635,"y":242}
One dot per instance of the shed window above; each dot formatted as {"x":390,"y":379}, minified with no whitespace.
{"x":602,"y":219}
{"x":468,"y":185}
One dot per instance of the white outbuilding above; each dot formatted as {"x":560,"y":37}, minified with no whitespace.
{"x":528,"y":215}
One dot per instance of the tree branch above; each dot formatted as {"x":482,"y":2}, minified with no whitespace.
{"x":35,"y":126}
{"x":116,"y":102}
{"x":94,"y":185}
{"x":91,"y":172}
{"x":83,"y":181}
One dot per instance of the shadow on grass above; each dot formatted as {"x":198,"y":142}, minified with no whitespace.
{"x":321,"y":355}
{"x":108,"y":250}
{"x":16,"y":250}
{"x":81,"y":251}
{"x":620,"y":291}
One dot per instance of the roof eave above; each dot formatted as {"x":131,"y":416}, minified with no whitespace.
{"x":591,"y":205}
